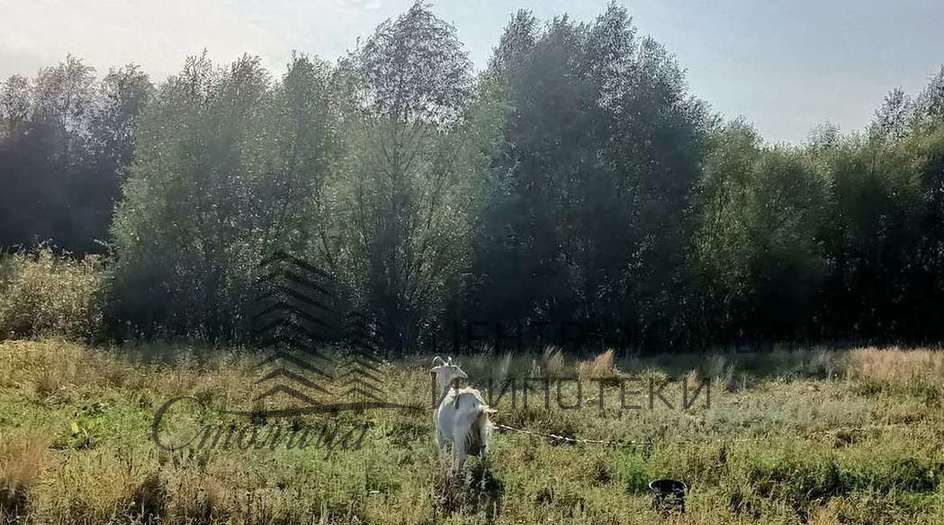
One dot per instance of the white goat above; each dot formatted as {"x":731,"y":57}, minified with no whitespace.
{"x":462,"y":415}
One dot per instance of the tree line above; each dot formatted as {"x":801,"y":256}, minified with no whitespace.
{"x":575,"y":179}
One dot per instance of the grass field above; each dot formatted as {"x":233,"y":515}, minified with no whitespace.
{"x":808,"y":436}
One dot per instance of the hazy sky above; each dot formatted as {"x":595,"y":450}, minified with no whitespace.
{"x":786,"y":65}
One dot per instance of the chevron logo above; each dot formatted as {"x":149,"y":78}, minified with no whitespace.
{"x":296,"y":316}
{"x":360,"y":374}
{"x":293,"y":319}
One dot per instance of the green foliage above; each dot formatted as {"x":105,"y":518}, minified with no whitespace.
{"x":586,"y":198}
{"x":575,"y":180}
{"x":414,"y":68}
{"x":408,"y":189}
{"x":760,"y":241}
{"x":65,"y":142}
{"x":835,"y":239}
{"x":230,"y":167}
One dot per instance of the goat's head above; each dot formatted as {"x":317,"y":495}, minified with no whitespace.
{"x":446,"y":372}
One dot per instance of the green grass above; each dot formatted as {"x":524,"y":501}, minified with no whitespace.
{"x":816,"y":436}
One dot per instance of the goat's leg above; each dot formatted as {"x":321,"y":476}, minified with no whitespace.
{"x":445,"y":460}
{"x":445,"y":457}
{"x":460,"y":456}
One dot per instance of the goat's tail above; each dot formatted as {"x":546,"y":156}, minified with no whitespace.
{"x":480,"y":432}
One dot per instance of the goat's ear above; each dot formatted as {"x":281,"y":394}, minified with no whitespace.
{"x":438,"y":360}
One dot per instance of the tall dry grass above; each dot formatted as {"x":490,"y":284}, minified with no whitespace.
{"x":755,"y":462}
{"x":551,"y":363}
{"x":52,"y":367}
{"x":600,"y":367}
{"x":22,"y":459}
{"x":897,"y":368}
{"x":45,"y":294}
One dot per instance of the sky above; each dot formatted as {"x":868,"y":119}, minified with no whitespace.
{"x":788,"y":66}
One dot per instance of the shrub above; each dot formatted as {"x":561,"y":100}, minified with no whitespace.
{"x":45,"y":294}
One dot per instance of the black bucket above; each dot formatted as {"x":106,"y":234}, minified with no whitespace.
{"x":668,"y":495}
